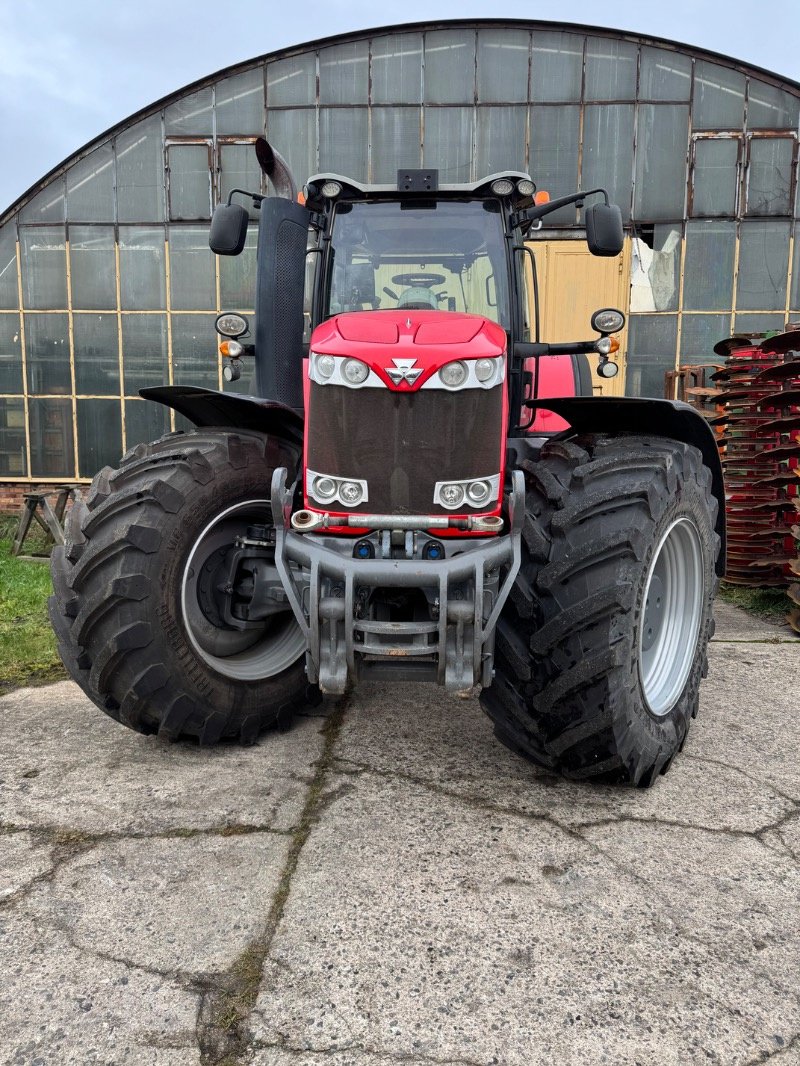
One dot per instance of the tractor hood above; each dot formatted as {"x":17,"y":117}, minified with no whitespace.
{"x":406,"y":348}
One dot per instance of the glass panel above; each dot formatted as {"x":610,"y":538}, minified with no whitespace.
{"x":99,"y":435}
{"x":190,"y":116}
{"x":52,"y":452}
{"x":652,"y":340}
{"x":9,"y":294}
{"x":343,"y":141}
{"x":240,"y":103}
{"x":699,"y":334}
{"x":144,"y":421}
{"x":189,"y":181}
{"x":769,"y":176}
{"x":294,"y":135}
{"x":191,"y":269}
{"x":142,"y":268}
{"x":44,"y":267}
{"x":749,"y":325}
{"x":503,"y":65}
{"x":501,"y":139}
{"x":448,"y":142}
{"x":90,"y":187}
{"x":237,"y":276}
{"x":771,"y":108}
{"x":194,"y":351}
{"x":795,"y":301}
{"x":140,"y":173}
{"x":13,"y":461}
{"x":608,"y":152}
{"x":664,"y":75}
{"x":47,"y":205}
{"x":450,"y":66}
{"x":610,"y":69}
{"x":93,"y":267}
{"x":655,"y":268}
{"x":715,"y":177}
{"x":763,"y":266}
{"x":555,"y":135}
{"x":662,"y":133}
{"x":718,"y":97}
{"x":396,"y":141}
{"x":397,"y":69}
{"x":239,"y":169}
{"x":96,"y":344}
{"x":556,"y":67}
{"x":10,"y":354}
{"x":47,"y":352}
{"x":144,"y":352}
{"x":708,"y":266}
{"x":344,"y":73}
{"x":292,"y":81}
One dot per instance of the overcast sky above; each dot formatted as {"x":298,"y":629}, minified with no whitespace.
{"x":69,"y":69}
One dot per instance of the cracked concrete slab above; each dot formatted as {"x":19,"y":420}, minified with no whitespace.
{"x":22,"y":860}
{"x":734,"y":624}
{"x":175,"y":906}
{"x":457,"y":934}
{"x":448,"y":741}
{"x":65,"y":763}
{"x":401,"y":889}
{"x":63,"y":1007}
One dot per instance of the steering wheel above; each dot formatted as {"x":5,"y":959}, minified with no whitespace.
{"x":422,"y":280}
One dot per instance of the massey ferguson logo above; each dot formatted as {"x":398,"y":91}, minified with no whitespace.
{"x":403,"y":370}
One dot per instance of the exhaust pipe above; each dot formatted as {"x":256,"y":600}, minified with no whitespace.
{"x":277,"y":169}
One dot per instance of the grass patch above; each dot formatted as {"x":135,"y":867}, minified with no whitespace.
{"x":769,"y":604}
{"x":28,"y":653}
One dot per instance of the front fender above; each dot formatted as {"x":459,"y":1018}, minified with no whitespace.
{"x":207,"y":407}
{"x":663,"y":418}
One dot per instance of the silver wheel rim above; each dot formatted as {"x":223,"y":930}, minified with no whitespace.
{"x":671,"y":614}
{"x":252,"y":655}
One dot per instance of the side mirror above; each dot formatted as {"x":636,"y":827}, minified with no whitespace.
{"x":604,"y":233}
{"x":228,"y":229}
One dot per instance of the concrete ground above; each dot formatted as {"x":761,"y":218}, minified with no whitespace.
{"x":389,"y":885}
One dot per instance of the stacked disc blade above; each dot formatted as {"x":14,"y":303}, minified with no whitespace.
{"x":760,"y":445}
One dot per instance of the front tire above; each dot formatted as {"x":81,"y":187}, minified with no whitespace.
{"x":601,"y":646}
{"x":134,"y":585}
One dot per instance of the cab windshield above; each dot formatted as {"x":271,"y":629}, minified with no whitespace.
{"x":445,"y":255}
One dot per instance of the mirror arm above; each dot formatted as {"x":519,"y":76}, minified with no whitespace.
{"x":540,"y":210}
{"x":254,"y":196}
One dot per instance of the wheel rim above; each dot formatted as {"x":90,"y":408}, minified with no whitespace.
{"x":251,"y":655}
{"x":670,"y":619}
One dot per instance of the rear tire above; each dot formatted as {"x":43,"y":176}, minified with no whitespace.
{"x":123,"y":580}
{"x":601,"y":646}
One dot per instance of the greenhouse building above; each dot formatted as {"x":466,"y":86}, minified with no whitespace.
{"x":107,"y":283}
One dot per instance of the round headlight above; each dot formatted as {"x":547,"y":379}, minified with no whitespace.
{"x":331,"y":189}
{"x":325,"y":365}
{"x":603,"y":346}
{"x":608,"y":369}
{"x":355,"y":371}
{"x":324,"y":488}
{"x":484,"y":369}
{"x":454,"y":374}
{"x":502,"y":187}
{"x":525,"y":187}
{"x":231,"y":325}
{"x":350,"y":493}
{"x":479,"y":491}
{"x":451,"y":495}
{"x":609,"y":320}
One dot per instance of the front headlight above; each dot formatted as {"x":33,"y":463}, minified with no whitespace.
{"x":453,"y":375}
{"x":355,"y":371}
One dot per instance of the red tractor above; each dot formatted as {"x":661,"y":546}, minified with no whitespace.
{"x":390,"y":504}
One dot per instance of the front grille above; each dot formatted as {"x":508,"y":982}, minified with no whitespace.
{"x":402,"y":443}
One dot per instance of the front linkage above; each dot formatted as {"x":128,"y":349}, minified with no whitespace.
{"x":329,"y":583}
